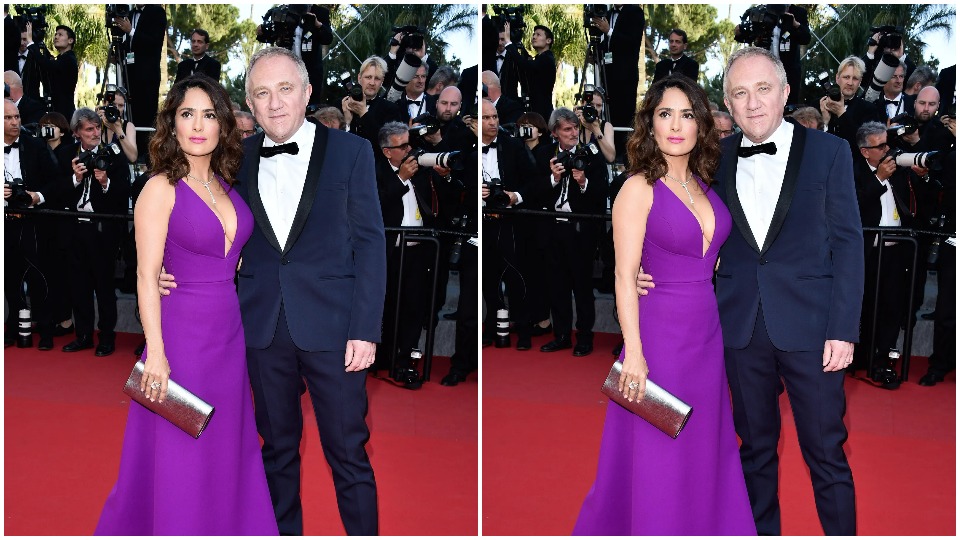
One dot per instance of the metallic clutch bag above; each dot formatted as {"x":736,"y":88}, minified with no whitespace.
{"x":661,"y":408}
{"x":181,"y":408}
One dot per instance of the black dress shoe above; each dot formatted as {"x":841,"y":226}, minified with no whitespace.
{"x":453,"y":378}
{"x":538,"y":330}
{"x":105,"y":349}
{"x":78,"y":344}
{"x":559,"y":344}
{"x":60,"y":330}
{"x":523,"y":343}
{"x":930,"y":379}
{"x":45,"y":344}
{"x":583,"y":349}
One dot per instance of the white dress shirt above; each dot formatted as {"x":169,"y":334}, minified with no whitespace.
{"x":282,"y":178}
{"x":414,"y":109}
{"x":760,"y":180}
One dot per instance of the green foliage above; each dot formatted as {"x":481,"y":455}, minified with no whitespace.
{"x":697,"y":20}
{"x":220,"y":20}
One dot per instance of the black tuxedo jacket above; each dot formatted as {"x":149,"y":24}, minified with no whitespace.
{"x":685,"y":66}
{"x":517,"y":168}
{"x":624,"y":45}
{"x":509,"y":110}
{"x":311,"y":50}
{"x":147,"y":44}
{"x":429,"y":105}
{"x":947,"y":86}
{"x":39,"y":171}
{"x":591,"y":201}
{"x":869,"y":191}
{"x":811,"y":262}
{"x":62,"y":73}
{"x":880,"y":106}
{"x":30,"y":75}
{"x":11,"y":43}
{"x":510,"y":73}
{"x":114,"y":201}
{"x":846,"y":125}
{"x":331,"y":273}
{"x":391,"y":191}
{"x":207,"y":65}
{"x":468,"y":86}
{"x":541,"y":75}
{"x":31,"y":110}
{"x":379,"y":112}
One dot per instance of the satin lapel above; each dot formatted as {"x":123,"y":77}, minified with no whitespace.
{"x":790,"y":178}
{"x":253,"y":194}
{"x":730,"y":186}
{"x":317,"y":154}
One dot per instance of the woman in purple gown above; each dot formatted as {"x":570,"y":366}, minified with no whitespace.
{"x":667,"y":218}
{"x":190,"y":221}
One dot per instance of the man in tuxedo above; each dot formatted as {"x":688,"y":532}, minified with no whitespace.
{"x":61,"y":72}
{"x":893,"y":101}
{"x":947,"y":87}
{"x":538,"y":73}
{"x":11,"y":38}
{"x":201,"y":62}
{"x":366,"y":117}
{"x":789,"y":289}
{"x":415,"y":101}
{"x":27,"y":67}
{"x":677,"y":61}
{"x":873,"y":56}
{"x":508,"y":168}
{"x":95,"y":244}
{"x":311,"y":289}
{"x":844,"y":116}
{"x":143,"y":43}
{"x":506,"y":65}
{"x":508,"y":109}
{"x":573,"y":243}
{"x":28,"y":241}
{"x":622,"y":33}
{"x":395,"y":56}
{"x":30,"y":109}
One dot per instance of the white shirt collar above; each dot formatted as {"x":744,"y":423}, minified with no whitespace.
{"x":302,"y":135}
{"x":782,"y":137}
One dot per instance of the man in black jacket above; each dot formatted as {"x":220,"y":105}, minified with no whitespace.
{"x":143,"y":43}
{"x":622,"y":33}
{"x":416,"y":101}
{"x":844,"y":116}
{"x":201,"y":62}
{"x":539,"y":73}
{"x":508,"y":109}
{"x":677,"y":62}
{"x":94,"y":244}
{"x":791,"y":31}
{"x":30,"y":109}
{"x":28,"y":241}
{"x":365,"y":118}
{"x":61,"y":72}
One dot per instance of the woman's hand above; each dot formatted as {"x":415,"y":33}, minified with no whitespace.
{"x":633,"y":377}
{"x":156,"y":375}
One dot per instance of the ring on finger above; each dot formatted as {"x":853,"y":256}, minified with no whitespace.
{"x":633,"y":385}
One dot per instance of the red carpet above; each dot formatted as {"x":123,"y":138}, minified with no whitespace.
{"x":65,"y":413}
{"x":543,"y":414}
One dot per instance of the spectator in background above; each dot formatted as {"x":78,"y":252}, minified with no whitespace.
{"x":415,"y":101}
{"x":245,"y":123}
{"x":144,"y":35}
{"x":808,"y":117}
{"x":330,"y":117}
{"x":872,"y":58}
{"x":723,"y":123}
{"x":677,"y":62}
{"x":30,"y":109}
{"x":120,"y":131}
{"x":538,"y":73}
{"x":893,"y":102}
{"x":621,"y":36}
{"x":844,"y":117}
{"x":508,"y":109}
{"x":201,"y":62}
{"x":791,"y":32}
{"x":395,"y":57}
{"x":27,"y":67}
{"x":443,"y":77}
{"x":61,"y":71}
{"x":365,"y":118}
{"x":921,"y":77}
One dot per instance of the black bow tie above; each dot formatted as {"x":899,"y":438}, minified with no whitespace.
{"x":765,"y":148}
{"x":414,"y":102}
{"x":895,"y":102}
{"x":489,"y":146}
{"x":14,"y":144}
{"x":500,"y":56}
{"x":23,"y":56}
{"x":270,"y":151}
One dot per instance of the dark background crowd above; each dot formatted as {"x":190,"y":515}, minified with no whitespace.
{"x":898,"y":118}
{"x":85,"y":158}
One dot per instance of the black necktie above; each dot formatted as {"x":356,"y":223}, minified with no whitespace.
{"x":270,"y":151}
{"x":14,"y":144}
{"x":765,"y":148}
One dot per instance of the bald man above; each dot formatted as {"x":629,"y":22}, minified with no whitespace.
{"x":30,"y":109}
{"x":508,"y":109}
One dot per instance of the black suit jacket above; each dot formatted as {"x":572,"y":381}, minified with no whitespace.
{"x":541,"y":75}
{"x":379,"y":112}
{"x":11,"y":43}
{"x":391,"y":190}
{"x":846,"y":125}
{"x":429,"y":105}
{"x":62,"y":72}
{"x":880,"y":106}
{"x":509,"y":110}
{"x":624,"y":45}
{"x":947,"y":86}
{"x":30,"y":75}
{"x":517,"y":168}
{"x":685,"y":66}
{"x":207,"y":65}
{"x":593,"y":200}
{"x":468,"y":85}
{"x":311,"y":50}
{"x":510,"y":73}
{"x":147,"y":44}
{"x":38,"y":170}
{"x":869,"y":191}
{"x":31,"y":110}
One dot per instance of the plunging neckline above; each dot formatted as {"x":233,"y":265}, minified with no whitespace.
{"x":694,"y":216}
{"x":223,"y":227}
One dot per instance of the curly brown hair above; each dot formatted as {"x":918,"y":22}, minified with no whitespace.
{"x":168,"y":158}
{"x":644,"y":156}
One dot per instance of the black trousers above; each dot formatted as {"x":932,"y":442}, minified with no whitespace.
{"x":943,"y":359}
{"x":93,"y":254}
{"x":29,"y":255}
{"x":890,"y":308}
{"x":573,"y":246}
{"x":533,"y":258}
{"x":501,"y":265}
{"x":465,"y":358}
{"x":414,"y":297}
{"x":818,"y":404}
{"x":340,"y":405}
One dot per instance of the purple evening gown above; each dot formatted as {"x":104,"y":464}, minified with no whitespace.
{"x":648,"y":483}
{"x":169,"y":482}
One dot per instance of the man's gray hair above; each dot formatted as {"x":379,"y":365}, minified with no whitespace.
{"x":852,"y":61}
{"x":444,"y":75}
{"x":245,"y":115}
{"x":722,"y":114}
{"x":753,"y":52}
{"x":379,"y":63}
{"x":83,"y":114}
{"x":562,"y":113}
{"x":272,"y":52}
{"x":925,"y":75}
{"x":867,"y":130}
{"x":390,"y":129}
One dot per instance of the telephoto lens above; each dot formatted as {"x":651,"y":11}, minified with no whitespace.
{"x":502,"y":340}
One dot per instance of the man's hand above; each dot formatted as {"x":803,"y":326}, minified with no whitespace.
{"x":602,"y":24}
{"x":837,"y":355}
{"x":951,"y":124}
{"x":919,"y":171}
{"x":7,"y":192}
{"x":579,"y":177}
{"x":79,"y":170}
{"x":166,"y":283}
{"x":442,"y":171}
{"x":360,"y":355}
{"x":644,"y":282}
{"x":472,"y":124}
{"x":123,"y":24}
{"x":408,"y":168}
{"x":911,"y":138}
{"x":101,"y":177}
{"x":35,"y":197}
{"x":835,"y":108}
{"x":556,"y":169}
{"x":886,"y":168}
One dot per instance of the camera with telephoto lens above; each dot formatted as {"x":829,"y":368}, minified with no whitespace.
{"x":932,"y":160}
{"x":498,"y":198}
{"x":891,"y":37}
{"x":881,"y":74}
{"x":902,"y":124}
{"x":459,"y":224}
{"x":20,"y":197}
{"x":100,"y":158}
{"x":355,"y":91}
{"x":758,"y":22}
{"x":423,"y":125}
{"x":518,"y":131}
{"x":512,"y":15}
{"x":36,"y":16}
{"x":830,"y":88}
{"x":577,"y":157}
{"x":411,"y":38}
{"x":280,"y":24}
{"x":447,"y":160}
{"x":406,"y":71}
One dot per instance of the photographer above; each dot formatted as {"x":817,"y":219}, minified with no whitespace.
{"x":622,"y":33}
{"x":886,"y":40}
{"x":539,"y":72}
{"x":507,"y":171}
{"x":408,"y":40}
{"x":112,"y":112}
{"x":101,"y":183}
{"x":331,"y":117}
{"x":143,"y":32}
{"x":29,"y":181}
{"x":366,"y":116}
{"x":782,"y":29}
{"x":508,"y":109}
{"x":246,"y":123}
{"x":407,"y":199}
{"x":886,"y":197}
{"x":504,"y":64}
{"x":443,"y":77}
{"x":30,"y":109}
{"x":893,"y":102}
{"x":922,"y":77}
{"x":677,"y":61}
{"x":842,"y":109}
{"x":579,"y":183}
{"x":61,"y":71}
{"x":723,"y":123}
{"x":200,"y":63}
{"x":304,"y":29}
{"x":415,"y":101}
{"x":595,"y":129}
